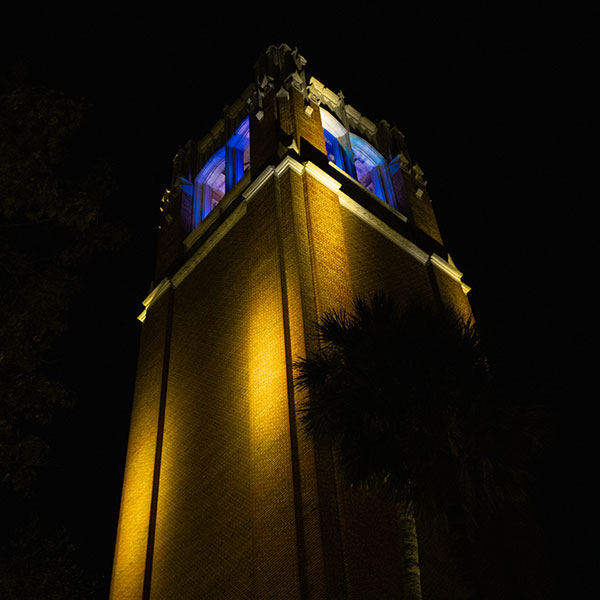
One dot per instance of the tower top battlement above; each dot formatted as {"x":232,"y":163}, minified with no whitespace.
{"x":284,"y":112}
{"x":277,"y":65}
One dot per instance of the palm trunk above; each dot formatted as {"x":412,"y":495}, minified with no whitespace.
{"x":411,"y":574}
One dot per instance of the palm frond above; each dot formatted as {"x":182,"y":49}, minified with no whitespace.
{"x":407,"y":399}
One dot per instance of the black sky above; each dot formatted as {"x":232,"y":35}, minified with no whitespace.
{"x":495,"y":110}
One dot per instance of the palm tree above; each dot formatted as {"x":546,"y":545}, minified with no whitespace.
{"x":406,"y":399}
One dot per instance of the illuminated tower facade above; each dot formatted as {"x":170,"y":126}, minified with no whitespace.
{"x":294,"y":203}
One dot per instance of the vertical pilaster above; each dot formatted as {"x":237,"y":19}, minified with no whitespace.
{"x":131,"y":552}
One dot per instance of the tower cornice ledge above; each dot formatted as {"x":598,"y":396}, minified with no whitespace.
{"x":237,"y":205}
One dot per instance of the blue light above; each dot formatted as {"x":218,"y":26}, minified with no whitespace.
{"x":209,"y":187}
{"x":372,"y":170}
{"x":238,"y":155}
{"x":334,"y":151}
{"x":221,"y":172}
{"x":358,"y":158}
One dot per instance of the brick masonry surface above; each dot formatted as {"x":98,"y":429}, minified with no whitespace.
{"x":246,"y":506}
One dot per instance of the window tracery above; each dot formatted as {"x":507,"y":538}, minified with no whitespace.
{"x":358,"y":158}
{"x":221,"y":172}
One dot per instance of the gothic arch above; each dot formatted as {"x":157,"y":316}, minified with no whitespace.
{"x":221,"y":172}
{"x":358,"y":158}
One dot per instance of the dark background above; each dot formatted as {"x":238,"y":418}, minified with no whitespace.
{"x":495,"y":109}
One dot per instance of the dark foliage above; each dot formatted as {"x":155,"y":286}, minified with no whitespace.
{"x":50,"y":227}
{"x":408,"y":399}
{"x":43,"y":564}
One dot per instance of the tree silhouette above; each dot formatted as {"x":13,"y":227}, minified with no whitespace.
{"x":407,"y":400}
{"x":50,"y":226}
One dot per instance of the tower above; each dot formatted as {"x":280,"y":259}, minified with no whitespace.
{"x":294,"y":203}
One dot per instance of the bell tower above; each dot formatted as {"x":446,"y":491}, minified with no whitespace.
{"x":294,"y":203}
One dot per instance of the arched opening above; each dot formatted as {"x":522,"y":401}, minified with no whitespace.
{"x":221,"y":172}
{"x":238,"y":153}
{"x":358,"y":158}
{"x":209,"y":187}
{"x":372,"y":170}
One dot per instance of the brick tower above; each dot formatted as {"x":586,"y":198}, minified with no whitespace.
{"x":294,"y":203}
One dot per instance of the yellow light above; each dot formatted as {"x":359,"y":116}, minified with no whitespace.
{"x":134,"y":518}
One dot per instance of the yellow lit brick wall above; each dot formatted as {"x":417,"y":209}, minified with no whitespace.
{"x":272,"y":480}
{"x":132,"y":536}
{"x":327,"y":246}
{"x":371,"y":542}
{"x":248,"y":507}
{"x":325,"y":276}
{"x":421,"y":209}
{"x":203,"y":542}
{"x":226,"y":526}
{"x":294,"y":118}
{"x":452,"y":293}
{"x":298,"y":275}
{"x":377,"y":264}
{"x":341,"y":263}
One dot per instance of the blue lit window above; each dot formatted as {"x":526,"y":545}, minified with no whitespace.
{"x":210,"y":186}
{"x":238,"y":153}
{"x":372,"y":170}
{"x":339,"y":152}
{"x":358,"y":158}
{"x":221,"y":172}
{"x":337,"y":143}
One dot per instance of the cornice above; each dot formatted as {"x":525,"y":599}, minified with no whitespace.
{"x":310,"y":168}
{"x":153,"y":296}
{"x":220,"y":232}
{"x":450,"y":270}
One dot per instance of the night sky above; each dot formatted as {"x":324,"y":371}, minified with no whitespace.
{"x":494,"y":109}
